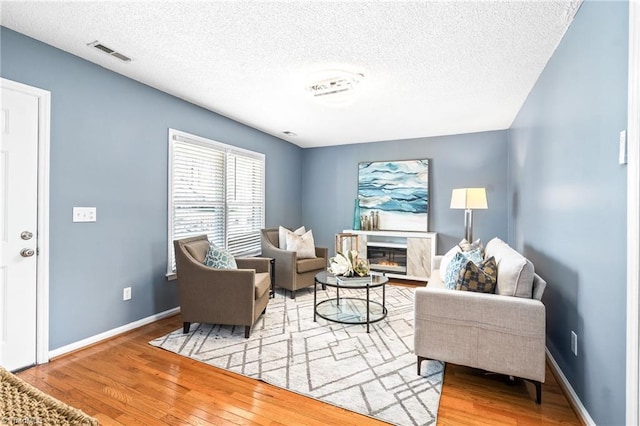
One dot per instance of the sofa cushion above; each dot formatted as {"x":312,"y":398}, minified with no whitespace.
{"x":306,"y":265}
{"x":262,"y":283}
{"x":282,"y":235}
{"x":515,"y":272}
{"x":479,"y":278}
{"x":457,"y":263}
{"x":303,"y":245}
{"x":219,"y":258}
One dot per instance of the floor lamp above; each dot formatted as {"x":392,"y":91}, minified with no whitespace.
{"x":468,"y":199}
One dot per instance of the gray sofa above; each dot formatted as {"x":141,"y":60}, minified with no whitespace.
{"x":502,"y":332}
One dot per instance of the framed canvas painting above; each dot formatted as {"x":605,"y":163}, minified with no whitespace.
{"x":398,"y":191}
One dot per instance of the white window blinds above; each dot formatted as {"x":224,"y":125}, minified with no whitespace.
{"x":217,"y":190}
{"x":245,"y":203}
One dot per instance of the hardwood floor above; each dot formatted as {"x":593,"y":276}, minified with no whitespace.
{"x":126,"y":381}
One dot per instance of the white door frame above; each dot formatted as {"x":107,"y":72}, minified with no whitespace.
{"x":633,"y":218}
{"x":42,"y":275}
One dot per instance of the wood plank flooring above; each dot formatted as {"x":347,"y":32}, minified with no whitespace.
{"x":126,"y":381}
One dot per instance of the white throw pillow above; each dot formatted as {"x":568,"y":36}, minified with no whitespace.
{"x":303,"y":245}
{"x":493,"y":246}
{"x":515,"y":272}
{"x":282,"y":235}
{"x":446,"y":259}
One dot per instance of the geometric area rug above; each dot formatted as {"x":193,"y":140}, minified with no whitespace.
{"x":370,"y":373}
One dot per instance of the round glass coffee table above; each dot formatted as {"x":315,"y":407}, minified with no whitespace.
{"x":349,"y":310}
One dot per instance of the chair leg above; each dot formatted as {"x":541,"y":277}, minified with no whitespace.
{"x":247,"y":331}
{"x":185,"y":327}
{"x":538,"y":386}
{"x":293,"y":294}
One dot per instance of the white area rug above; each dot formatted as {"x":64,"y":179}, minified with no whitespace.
{"x":370,"y":373}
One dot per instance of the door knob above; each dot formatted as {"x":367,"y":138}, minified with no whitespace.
{"x":26,"y":235}
{"x":25,"y":252}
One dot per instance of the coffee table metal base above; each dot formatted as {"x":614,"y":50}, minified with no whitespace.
{"x":349,"y":310}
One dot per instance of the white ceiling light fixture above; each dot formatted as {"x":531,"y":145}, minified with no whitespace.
{"x":334,"y":82}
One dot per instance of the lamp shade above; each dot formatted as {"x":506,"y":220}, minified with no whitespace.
{"x":469,"y":198}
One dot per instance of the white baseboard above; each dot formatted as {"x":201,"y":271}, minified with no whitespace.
{"x":107,"y":334}
{"x":581,"y":411}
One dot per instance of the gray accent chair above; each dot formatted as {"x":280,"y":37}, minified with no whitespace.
{"x":292,"y":273}
{"x":493,"y":332}
{"x":220,"y":296}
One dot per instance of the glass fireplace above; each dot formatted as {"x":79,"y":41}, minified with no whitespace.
{"x":387,"y":259}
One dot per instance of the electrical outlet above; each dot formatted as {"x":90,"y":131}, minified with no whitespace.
{"x":84,"y":214}
{"x":574,"y":343}
{"x":126,"y":293}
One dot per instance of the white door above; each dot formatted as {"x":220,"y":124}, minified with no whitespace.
{"x":18,"y":223}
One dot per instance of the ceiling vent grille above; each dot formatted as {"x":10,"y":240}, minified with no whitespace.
{"x":101,"y":47}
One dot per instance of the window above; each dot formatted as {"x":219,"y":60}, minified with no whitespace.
{"x":215,"y":189}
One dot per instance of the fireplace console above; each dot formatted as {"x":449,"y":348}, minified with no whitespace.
{"x":397,"y":254}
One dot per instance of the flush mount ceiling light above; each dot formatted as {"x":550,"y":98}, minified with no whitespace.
{"x":335,"y":82}
{"x":104,"y":49}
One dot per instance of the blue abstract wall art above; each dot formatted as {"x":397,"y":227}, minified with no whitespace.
{"x":398,"y":191}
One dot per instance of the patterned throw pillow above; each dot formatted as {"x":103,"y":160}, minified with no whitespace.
{"x":219,"y":258}
{"x":479,"y":278}
{"x":457,"y":263}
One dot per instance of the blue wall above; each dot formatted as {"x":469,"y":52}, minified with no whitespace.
{"x":568,"y":211}
{"x":330,"y":178}
{"x":555,"y":191}
{"x":109,"y":150}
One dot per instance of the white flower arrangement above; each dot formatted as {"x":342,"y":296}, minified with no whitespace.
{"x":348,"y":265}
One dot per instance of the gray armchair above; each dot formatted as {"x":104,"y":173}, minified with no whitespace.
{"x":292,"y":273}
{"x":220,"y":296}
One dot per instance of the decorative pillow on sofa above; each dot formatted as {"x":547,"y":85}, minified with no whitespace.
{"x":479,"y":278}
{"x":446,"y":259}
{"x":458,"y":262}
{"x":463,"y":245}
{"x":219,"y":258}
{"x":468,"y":246}
{"x":282,"y":235}
{"x":303,"y":245}
{"x":515,"y":272}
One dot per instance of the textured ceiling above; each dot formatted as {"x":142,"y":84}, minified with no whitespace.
{"x":430,"y":68}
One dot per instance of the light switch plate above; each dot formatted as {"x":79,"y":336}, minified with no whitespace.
{"x":84,"y":214}
{"x":622,"y":155}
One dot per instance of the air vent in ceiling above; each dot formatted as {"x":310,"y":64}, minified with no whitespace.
{"x":341,"y":82}
{"x":101,"y":47}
